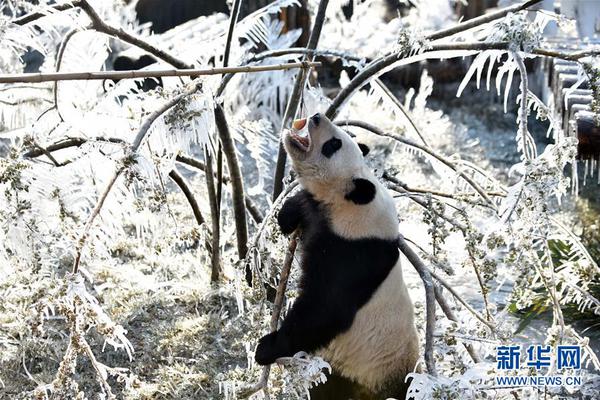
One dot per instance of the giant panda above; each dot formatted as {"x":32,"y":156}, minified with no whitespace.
{"x":353,"y":308}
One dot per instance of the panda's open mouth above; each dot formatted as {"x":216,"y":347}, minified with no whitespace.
{"x":300,"y":139}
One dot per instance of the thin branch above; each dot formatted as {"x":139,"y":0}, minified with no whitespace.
{"x":235,"y":12}
{"x":295,"y":96}
{"x":59,"y":59}
{"x":483,"y":19}
{"x":425,"y":275}
{"x":38,"y":77}
{"x":377,"y":67}
{"x":527,"y":142}
{"x":143,"y":131}
{"x":425,"y":149}
{"x":37,"y":15}
{"x":189,"y":195}
{"x":214,"y":216}
{"x":416,"y":198}
{"x":449,"y":287}
{"x":400,"y":107}
{"x":237,"y":183}
{"x":571,"y":56}
{"x":99,"y":25}
{"x":450,"y":315}
{"x":277,"y":306}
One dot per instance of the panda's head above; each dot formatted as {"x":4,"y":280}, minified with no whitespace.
{"x":329,"y":163}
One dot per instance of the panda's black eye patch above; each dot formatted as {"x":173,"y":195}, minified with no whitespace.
{"x":331,"y":146}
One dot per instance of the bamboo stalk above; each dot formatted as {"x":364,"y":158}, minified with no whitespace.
{"x":38,"y":77}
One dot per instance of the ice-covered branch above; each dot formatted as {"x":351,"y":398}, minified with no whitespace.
{"x":143,"y":131}
{"x":26,"y":19}
{"x":425,"y":275}
{"x":483,"y":19}
{"x":99,"y":25}
{"x":136,"y":74}
{"x":447,"y":310}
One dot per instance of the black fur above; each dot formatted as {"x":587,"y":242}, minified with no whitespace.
{"x":363,"y":193}
{"x":364,"y":149}
{"x":331,"y":146}
{"x":339,"y":276}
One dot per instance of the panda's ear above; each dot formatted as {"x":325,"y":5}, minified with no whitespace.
{"x":364,"y":148}
{"x":363,"y":192}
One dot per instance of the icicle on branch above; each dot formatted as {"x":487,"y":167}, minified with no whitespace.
{"x":136,"y":74}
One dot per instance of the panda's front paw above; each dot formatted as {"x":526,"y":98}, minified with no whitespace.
{"x":266,"y":351}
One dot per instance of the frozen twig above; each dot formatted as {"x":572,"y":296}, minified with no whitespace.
{"x":527,"y":144}
{"x":99,"y":25}
{"x":447,"y":310}
{"x":214,"y":217}
{"x":400,"y":107}
{"x":425,"y":275}
{"x":59,"y":59}
{"x":277,"y":306}
{"x":237,"y":183}
{"x":449,"y":287}
{"x":26,"y":19}
{"x":136,"y":74}
{"x":425,"y":149}
{"x":295,"y":96}
{"x":235,"y":11}
{"x":187,"y":191}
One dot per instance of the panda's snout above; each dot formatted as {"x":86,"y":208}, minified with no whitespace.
{"x":316,"y":119}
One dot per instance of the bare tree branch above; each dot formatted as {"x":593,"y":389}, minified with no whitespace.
{"x":483,"y":19}
{"x":189,"y":195}
{"x":99,"y":25}
{"x":136,"y":74}
{"x":214,"y":216}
